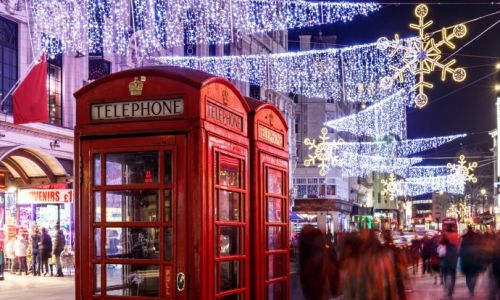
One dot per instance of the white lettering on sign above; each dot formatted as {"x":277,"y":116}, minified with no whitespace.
{"x":137,"y":109}
{"x":32,"y":196}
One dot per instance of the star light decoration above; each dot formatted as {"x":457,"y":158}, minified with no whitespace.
{"x":324,"y":152}
{"x":390,"y":187}
{"x":423,"y":56}
{"x":464,"y":169}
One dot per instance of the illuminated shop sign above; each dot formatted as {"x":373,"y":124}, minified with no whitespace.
{"x":137,"y":109}
{"x":35,"y":196}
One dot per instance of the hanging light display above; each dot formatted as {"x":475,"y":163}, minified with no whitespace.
{"x":423,"y":56}
{"x":324,"y":152}
{"x":387,"y":117}
{"x":172,"y":23}
{"x":390,"y":187}
{"x":354,"y":165}
{"x":464,"y":169}
{"x":415,"y":186}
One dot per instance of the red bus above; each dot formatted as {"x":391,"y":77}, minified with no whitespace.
{"x":449,"y":225}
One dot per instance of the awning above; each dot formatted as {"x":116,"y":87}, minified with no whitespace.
{"x":27,"y":163}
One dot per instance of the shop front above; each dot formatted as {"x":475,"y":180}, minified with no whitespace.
{"x":178,"y":195}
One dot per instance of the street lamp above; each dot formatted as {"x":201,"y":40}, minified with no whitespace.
{"x":483,"y":193}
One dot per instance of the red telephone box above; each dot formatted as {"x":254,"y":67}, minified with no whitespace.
{"x":270,"y":202}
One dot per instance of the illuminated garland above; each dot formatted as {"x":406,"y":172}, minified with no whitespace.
{"x":351,"y":74}
{"x":398,"y":148}
{"x":354,"y":165}
{"x":170,"y":23}
{"x":387,"y":117}
{"x":423,"y":185}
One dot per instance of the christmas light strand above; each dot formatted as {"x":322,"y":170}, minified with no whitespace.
{"x":171,"y":23}
{"x":351,"y":74}
{"x":424,"y":185}
{"x":354,"y":165}
{"x":387,"y":117}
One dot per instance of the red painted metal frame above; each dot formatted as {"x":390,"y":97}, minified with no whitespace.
{"x":204,"y":135}
{"x":267,"y":154}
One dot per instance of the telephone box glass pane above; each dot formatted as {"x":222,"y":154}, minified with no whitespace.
{"x":167,"y":199}
{"x":97,"y":169}
{"x":229,"y":206}
{"x":274,"y":181}
{"x":131,"y":168}
{"x":168,"y":244}
{"x":233,"y":297}
{"x":97,"y":242}
{"x":274,"y":238}
{"x":132,"y":206}
{"x":229,"y":275}
{"x":274,"y":210}
{"x":275,"y":291}
{"x":275,"y":266}
{"x":229,"y":171}
{"x":134,"y":243}
{"x":229,"y":241}
{"x":132,"y":280}
{"x":97,"y":206}
{"x":97,"y":279}
{"x":168,"y":166}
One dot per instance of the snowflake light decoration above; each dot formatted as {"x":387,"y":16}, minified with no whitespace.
{"x":324,"y":152}
{"x":464,"y":169}
{"x":390,"y":187}
{"x":423,"y":56}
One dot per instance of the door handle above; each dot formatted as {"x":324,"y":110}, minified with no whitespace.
{"x":181,"y":281}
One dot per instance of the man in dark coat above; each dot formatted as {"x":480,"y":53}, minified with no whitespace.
{"x":45,"y":250}
{"x":59,"y":243}
{"x":427,"y":250}
{"x":35,"y":252}
{"x":470,"y":258}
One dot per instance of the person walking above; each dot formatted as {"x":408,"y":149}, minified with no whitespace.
{"x":427,"y":250}
{"x":10,"y":254}
{"x":20,"y":249}
{"x":451,"y":241}
{"x":45,"y":250}
{"x":470,"y":258}
{"x":35,"y":252}
{"x":59,"y":243}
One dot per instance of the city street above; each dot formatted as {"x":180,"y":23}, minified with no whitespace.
{"x":22,"y":287}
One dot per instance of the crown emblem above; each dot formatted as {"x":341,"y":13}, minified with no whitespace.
{"x":135,"y":87}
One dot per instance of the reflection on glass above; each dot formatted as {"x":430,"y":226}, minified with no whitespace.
{"x":275,"y":266}
{"x":132,"y":280}
{"x":132,"y":206}
{"x":168,"y":205}
{"x":137,"y":243}
{"x":275,"y":291}
{"x":97,"y":169}
{"x":229,"y":171}
{"x":229,"y":206}
{"x":97,"y":242}
{"x":229,"y":240}
{"x":97,"y":279}
{"x":97,"y":206}
{"x":274,"y":211}
{"x":274,"y":181}
{"x":168,"y":166}
{"x":274,"y":238}
{"x":229,"y":275}
{"x":131,"y":168}
{"x":233,"y":297}
{"x":168,"y":244}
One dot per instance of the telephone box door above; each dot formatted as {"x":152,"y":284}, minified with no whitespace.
{"x":133,"y":217}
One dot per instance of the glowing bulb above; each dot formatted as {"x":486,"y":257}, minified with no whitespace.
{"x":11,"y":189}
{"x":497,"y":87}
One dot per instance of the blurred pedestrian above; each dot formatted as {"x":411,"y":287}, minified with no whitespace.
{"x":427,"y":250}
{"x":20,"y":249}
{"x":10,"y":255}
{"x":470,"y":258}
{"x":450,"y":240}
{"x":59,"y":243}
{"x":45,"y":246}
{"x":494,"y":286}
{"x":35,"y":252}
{"x":415,"y":253}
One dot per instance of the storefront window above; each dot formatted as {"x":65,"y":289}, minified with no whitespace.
{"x":132,"y":206}
{"x":132,"y":280}
{"x":131,"y":168}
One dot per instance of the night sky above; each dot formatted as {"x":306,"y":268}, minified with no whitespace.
{"x":469,"y":109}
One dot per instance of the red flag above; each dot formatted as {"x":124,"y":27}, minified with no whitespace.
{"x":31,"y":96}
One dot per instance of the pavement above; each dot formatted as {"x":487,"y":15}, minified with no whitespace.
{"x":55,"y":288}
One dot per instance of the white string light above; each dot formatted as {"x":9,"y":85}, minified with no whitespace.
{"x":386,"y":117}
{"x":351,"y":74}
{"x":172,"y":23}
{"x":354,"y":165}
{"x":415,"y":186}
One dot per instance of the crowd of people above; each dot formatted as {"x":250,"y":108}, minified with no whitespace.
{"x":366,"y":265}
{"x":36,"y":253}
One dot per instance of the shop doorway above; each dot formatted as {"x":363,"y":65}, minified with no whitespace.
{"x":134,"y":228}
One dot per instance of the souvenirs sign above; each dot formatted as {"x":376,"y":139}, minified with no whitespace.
{"x":37,"y":196}
{"x":137,"y":109}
